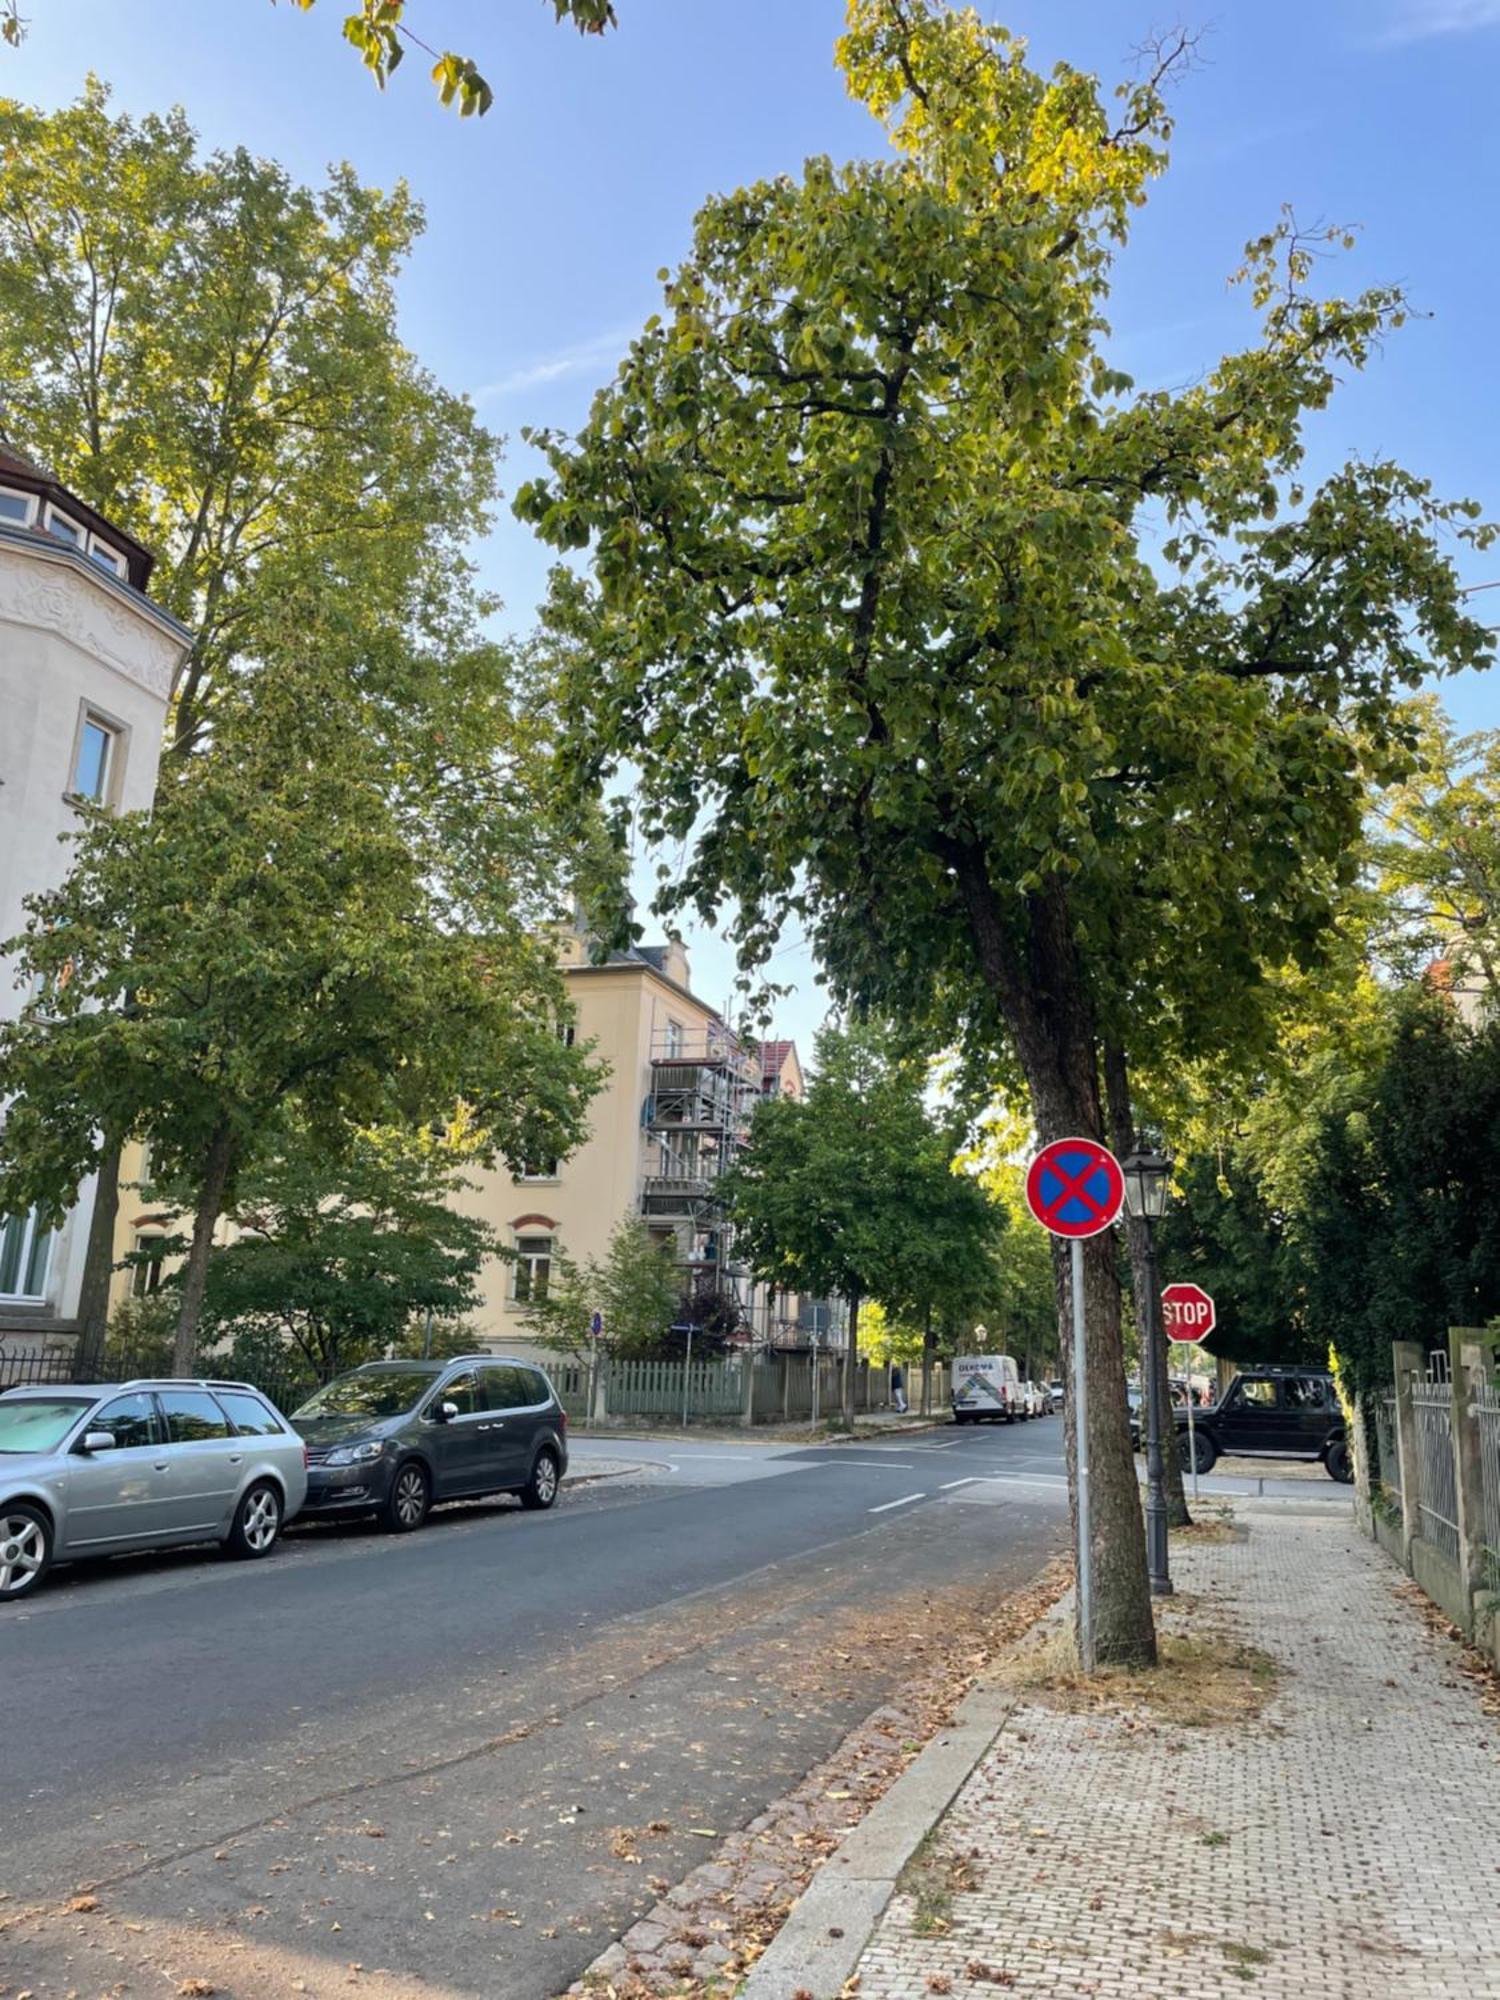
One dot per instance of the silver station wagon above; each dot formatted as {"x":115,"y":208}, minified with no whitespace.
{"x":97,"y":1469}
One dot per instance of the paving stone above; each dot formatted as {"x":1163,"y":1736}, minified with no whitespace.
{"x":1361,"y":1813}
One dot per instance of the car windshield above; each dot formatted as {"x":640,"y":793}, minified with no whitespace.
{"x":382,"y":1393}
{"x":38,"y":1423}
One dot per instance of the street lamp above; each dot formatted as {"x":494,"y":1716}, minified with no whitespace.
{"x":1146,"y":1180}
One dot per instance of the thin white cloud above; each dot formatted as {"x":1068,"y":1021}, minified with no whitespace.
{"x":582,"y":357}
{"x":1428,"y":20}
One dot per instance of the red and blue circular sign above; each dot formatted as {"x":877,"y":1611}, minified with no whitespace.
{"x":1074,"y":1187}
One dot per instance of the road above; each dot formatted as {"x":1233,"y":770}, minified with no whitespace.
{"x":418,"y":1754}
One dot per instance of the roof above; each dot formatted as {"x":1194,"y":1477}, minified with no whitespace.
{"x":17,"y":470}
{"x":773,"y":1055}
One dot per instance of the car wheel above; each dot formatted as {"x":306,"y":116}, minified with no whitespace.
{"x":257,"y":1523}
{"x":540,"y":1489}
{"x":407,"y":1504}
{"x":25,"y":1549}
{"x":1207,"y":1451}
{"x":1338,"y":1462}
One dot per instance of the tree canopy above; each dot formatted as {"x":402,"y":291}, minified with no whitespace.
{"x":289,"y":934}
{"x":850,"y":1189}
{"x":1040,"y":701}
{"x":341,"y":1259}
{"x":208,"y":353}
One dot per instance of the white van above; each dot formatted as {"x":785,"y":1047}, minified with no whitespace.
{"x":985,"y":1385}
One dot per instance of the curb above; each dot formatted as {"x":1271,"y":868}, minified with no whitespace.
{"x":822,"y":1941}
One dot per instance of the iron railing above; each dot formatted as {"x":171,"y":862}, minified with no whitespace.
{"x":1487,"y":1420}
{"x":1437,"y":1479}
{"x":1386,"y":1450}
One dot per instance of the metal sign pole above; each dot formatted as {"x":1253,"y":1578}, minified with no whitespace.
{"x":815,"y":1370}
{"x":1081,"y":1431}
{"x":687,"y":1376}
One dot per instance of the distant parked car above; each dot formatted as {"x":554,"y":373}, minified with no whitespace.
{"x":1038,"y":1402}
{"x":1057,"y":1395}
{"x":1273,"y":1413}
{"x":393,"y":1438}
{"x":96,"y":1469}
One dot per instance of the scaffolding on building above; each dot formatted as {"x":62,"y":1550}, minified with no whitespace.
{"x":694,"y":1125}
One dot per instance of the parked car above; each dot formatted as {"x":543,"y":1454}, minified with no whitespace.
{"x":1273,"y":1413}
{"x":1038,"y":1402}
{"x":395,"y":1437}
{"x":986,"y":1386}
{"x":1057,"y":1395}
{"x":96,"y":1469}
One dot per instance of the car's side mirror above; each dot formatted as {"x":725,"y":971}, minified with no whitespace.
{"x":98,"y":1441}
{"x":444,"y":1413}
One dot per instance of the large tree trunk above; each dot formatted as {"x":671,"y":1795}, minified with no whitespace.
{"x":1041,"y":991}
{"x":851,"y":1362}
{"x":99,"y":1263}
{"x":216,"y":1170}
{"x":1148,"y":1312}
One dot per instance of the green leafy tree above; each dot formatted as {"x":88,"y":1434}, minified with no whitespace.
{"x":876,"y":605}
{"x":635,"y":1288}
{"x":343,"y":1261}
{"x":850,"y":1189}
{"x":209,"y":354}
{"x":1396,"y":1236}
{"x":281,"y":942}
{"x":1436,"y":856}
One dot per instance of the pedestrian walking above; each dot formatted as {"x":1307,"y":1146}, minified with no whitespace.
{"x":898,"y":1391}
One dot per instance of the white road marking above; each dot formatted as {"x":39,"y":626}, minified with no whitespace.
{"x":974,"y":1479}
{"x":904,"y":1501}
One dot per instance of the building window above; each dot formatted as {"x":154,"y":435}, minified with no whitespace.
{"x":566,"y":1032}
{"x":538,"y":1170}
{"x":106,"y":557}
{"x":533,"y":1268}
{"x":24,"y":1248}
{"x":673,"y":1038}
{"x":93,"y":767}
{"x":145,"y":1276}
{"x":64,"y":530}
{"x":15,"y":507}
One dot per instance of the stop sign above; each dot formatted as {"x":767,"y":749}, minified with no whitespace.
{"x":1188,"y":1312}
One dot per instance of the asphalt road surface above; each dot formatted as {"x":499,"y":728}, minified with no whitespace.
{"x":414,"y":1756}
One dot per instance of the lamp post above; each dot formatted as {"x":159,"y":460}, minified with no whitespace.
{"x":1146,"y":1178}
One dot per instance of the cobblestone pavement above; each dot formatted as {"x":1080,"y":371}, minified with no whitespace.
{"x":1345,"y":1845}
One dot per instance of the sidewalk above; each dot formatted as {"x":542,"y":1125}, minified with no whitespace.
{"x":1342,"y":1843}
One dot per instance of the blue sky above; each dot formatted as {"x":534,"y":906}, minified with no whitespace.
{"x":548,"y":220}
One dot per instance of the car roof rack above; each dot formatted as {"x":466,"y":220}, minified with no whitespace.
{"x":179,"y":1382}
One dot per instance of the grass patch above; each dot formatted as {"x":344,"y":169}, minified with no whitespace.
{"x":1201,"y":1680}
{"x":932,"y":1879}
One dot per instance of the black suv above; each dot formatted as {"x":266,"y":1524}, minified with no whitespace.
{"x":394,"y":1437}
{"x":1272,"y":1413}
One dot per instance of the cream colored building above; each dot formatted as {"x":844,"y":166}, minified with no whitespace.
{"x":673,"y":1113}
{"x":86,"y":669}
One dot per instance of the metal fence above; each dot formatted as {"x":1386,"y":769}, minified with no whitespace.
{"x":1437,"y":1479}
{"x":1389,"y":1466}
{"x":1487,"y":1418}
{"x":46,"y":1367}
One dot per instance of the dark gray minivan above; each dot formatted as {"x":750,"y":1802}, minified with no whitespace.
{"x":396,"y":1437}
